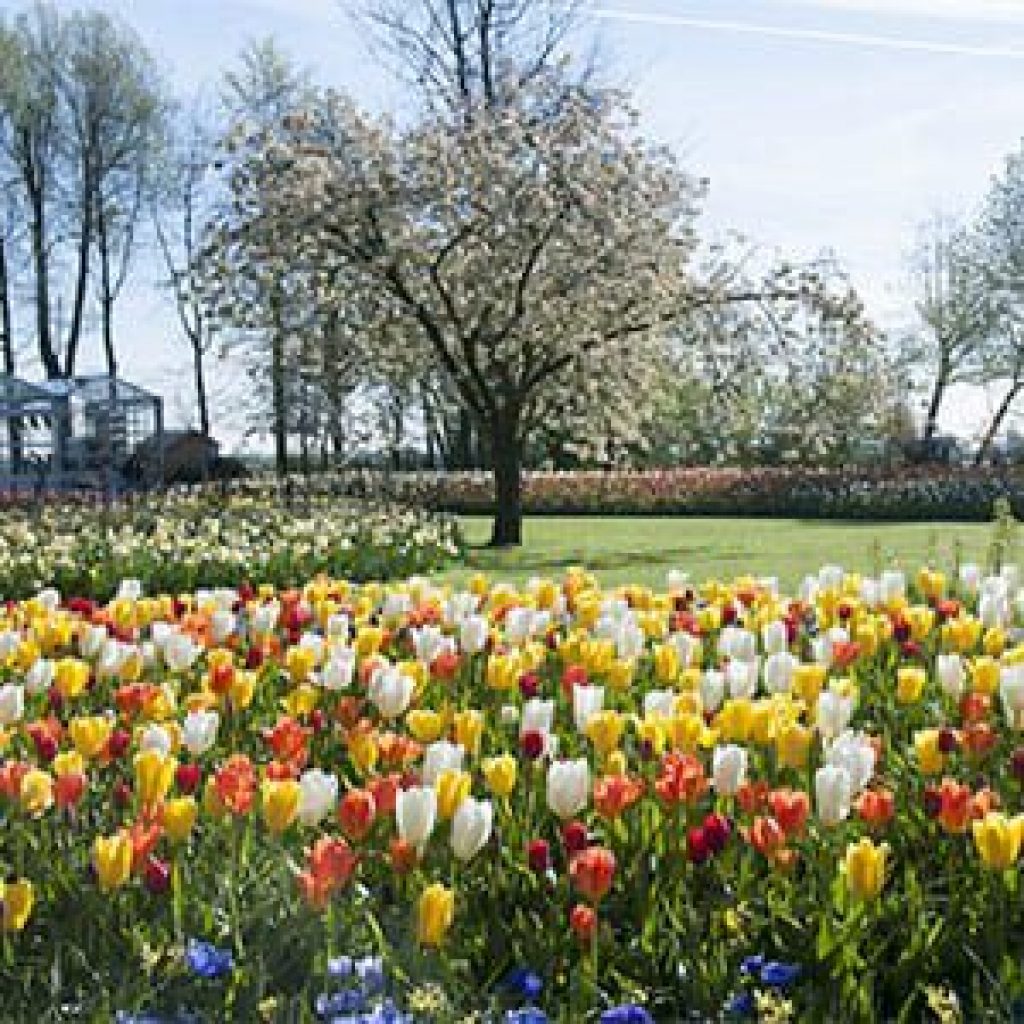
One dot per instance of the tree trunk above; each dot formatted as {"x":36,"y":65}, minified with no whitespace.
{"x":932,"y":416}
{"x":202,"y":402}
{"x":277,"y":387}
{"x":41,"y":268}
{"x":82,"y":278}
{"x":997,"y":422}
{"x":507,"y":464}
{"x":106,"y":294}
{"x":6,"y":324}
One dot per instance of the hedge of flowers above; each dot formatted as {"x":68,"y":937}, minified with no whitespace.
{"x":550,"y":803}
{"x":904,"y":493}
{"x":187,"y":538}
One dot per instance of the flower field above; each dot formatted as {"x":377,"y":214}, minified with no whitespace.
{"x":208,"y":537}
{"x":394,"y":802}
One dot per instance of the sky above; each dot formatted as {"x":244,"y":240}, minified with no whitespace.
{"x":822,"y":125}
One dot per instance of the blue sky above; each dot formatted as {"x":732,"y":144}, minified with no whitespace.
{"x":836,"y":124}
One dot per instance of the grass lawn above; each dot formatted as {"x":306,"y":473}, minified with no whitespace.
{"x":642,"y":550}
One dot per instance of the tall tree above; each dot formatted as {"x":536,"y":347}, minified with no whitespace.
{"x":955,"y":310}
{"x":523,"y":254}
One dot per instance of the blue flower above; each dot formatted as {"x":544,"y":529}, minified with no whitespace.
{"x":628,"y":1013}
{"x":741,"y":1005}
{"x":370,"y":971}
{"x":386,"y":1013}
{"x":525,"y":982}
{"x":526,"y":1015}
{"x":206,"y":960}
{"x":347,"y":1001}
{"x":752,"y":964}
{"x":779,"y":975}
{"x":339,"y":966}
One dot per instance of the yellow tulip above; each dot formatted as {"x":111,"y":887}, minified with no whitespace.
{"x":984,"y":673}
{"x":70,"y":677}
{"x":616,"y":764}
{"x":68,"y":762}
{"x":808,"y":681}
{"x":994,"y":641}
{"x":280,"y":803}
{"x":735,"y":719}
{"x":36,"y":791}
{"x":930,"y":758}
{"x":154,"y":776}
{"x":910,"y":680}
{"x":666,"y":663}
{"x":243,"y":686}
{"x":17,"y":899}
{"x":179,"y":818}
{"x":931,"y":583}
{"x":793,"y":744}
{"x":604,"y":730}
{"x":212,"y":803}
{"x":112,"y":859}
{"x":435,"y":913}
{"x":364,"y":751}
{"x":301,"y":701}
{"x":503,"y":671}
{"x":469,"y":729}
{"x":921,"y":619}
{"x":500,"y":773}
{"x":864,"y":867}
{"x":368,"y":641}
{"x":452,"y":789}
{"x":652,"y":733}
{"x":998,"y":839}
{"x":300,"y":662}
{"x":424,"y":726}
{"x":620,"y":674}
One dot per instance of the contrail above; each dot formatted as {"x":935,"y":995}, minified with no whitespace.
{"x":812,"y":35}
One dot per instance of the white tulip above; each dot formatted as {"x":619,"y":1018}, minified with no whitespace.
{"x":660,"y":702}
{"x":264,"y":618}
{"x":518,"y":624}
{"x":728,"y":768}
{"x":428,"y":642}
{"x":396,"y":604}
{"x":473,"y":634}
{"x":338,"y":626}
{"x":832,"y":794}
{"x":675,"y":579}
{"x":778,"y":671}
{"x":390,"y":690}
{"x":869,"y":592}
{"x":809,"y":589}
{"x":40,"y":675}
{"x":12,"y":703}
{"x":49,"y":599}
{"x":741,"y":678}
{"x":439,"y":757}
{"x":586,"y":702}
{"x":339,"y":670}
{"x":90,"y":642}
{"x":415,"y":814}
{"x":712,"y":689}
{"x":949,"y":668}
{"x":774,"y":637}
{"x":199,"y":731}
{"x":222,"y":624}
{"x":471,"y":828}
{"x":830,"y":577}
{"x":129,"y":590}
{"x":180,"y":652}
{"x":629,"y":641}
{"x":738,"y":644}
{"x":853,"y":752}
{"x":1011,"y":692}
{"x":970,"y":577}
{"x":687,"y":646}
{"x":568,"y":787}
{"x":156,"y":737}
{"x":538,"y":715}
{"x":318,"y":792}
{"x":834,"y":713}
{"x":892,"y":586}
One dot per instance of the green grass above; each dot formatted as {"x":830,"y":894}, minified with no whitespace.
{"x":642,"y":550}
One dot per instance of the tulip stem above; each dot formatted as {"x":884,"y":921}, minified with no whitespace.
{"x":176,"y":898}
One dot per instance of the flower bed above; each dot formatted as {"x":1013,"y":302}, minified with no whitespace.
{"x":195,"y":537}
{"x":905,"y":493}
{"x":399,"y":802}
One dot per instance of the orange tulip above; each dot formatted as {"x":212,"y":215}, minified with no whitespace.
{"x":357,"y":813}
{"x":955,"y":806}
{"x":681,"y":780}
{"x":876,"y":807}
{"x":790,"y":808}
{"x":592,"y":872}
{"x":235,"y":784}
{"x":614,"y":794}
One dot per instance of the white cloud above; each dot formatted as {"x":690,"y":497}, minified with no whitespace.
{"x":860,"y":39}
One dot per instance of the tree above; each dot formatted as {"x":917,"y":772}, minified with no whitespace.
{"x":523,"y":255}
{"x":955,"y":309}
{"x":180,"y":211}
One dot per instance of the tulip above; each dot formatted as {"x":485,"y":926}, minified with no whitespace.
{"x":604,"y":729}
{"x":16,"y":899}
{"x":538,"y":716}
{"x":424,"y":725}
{"x":12,"y":704}
{"x":998,"y":839}
{"x":441,"y":757}
{"x":592,"y":871}
{"x":90,"y":735}
{"x":833,"y":714}
{"x":473,"y":633}
{"x":415,"y":814}
{"x":500,"y":774}
{"x":833,"y":793}
{"x":71,"y":676}
{"x":390,"y":691}
{"x":452,"y":789}
{"x":281,"y":800}
{"x":179,"y":818}
{"x":36,"y":792}
{"x":728,"y":769}
{"x":930,"y":758}
{"x":854,"y":753}
{"x":1011,"y":692}
{"x":318,"y":791}
{"x":910,"y":680}
{"x":154,"y":776}
{"x":471,"y":828}
{"x":156,"y":738}
{"x":199,"y":731}
{"x":949,"y":669}
{"x":587,"y":701}
{"x":864,"y":868}
{"x":793,"y":744}
{"x":568,"y":787}
{"x":339,"y":670}
{"x":583,"y":922}
{"x":778,"y":671}
{"x":435,"y":913}
{"x":469,"y":730}
{"x":112,"y":860}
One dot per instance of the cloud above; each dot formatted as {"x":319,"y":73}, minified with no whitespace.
{"x":859,"y":39}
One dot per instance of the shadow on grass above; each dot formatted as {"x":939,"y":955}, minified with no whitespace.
{"x":489,"y":558}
